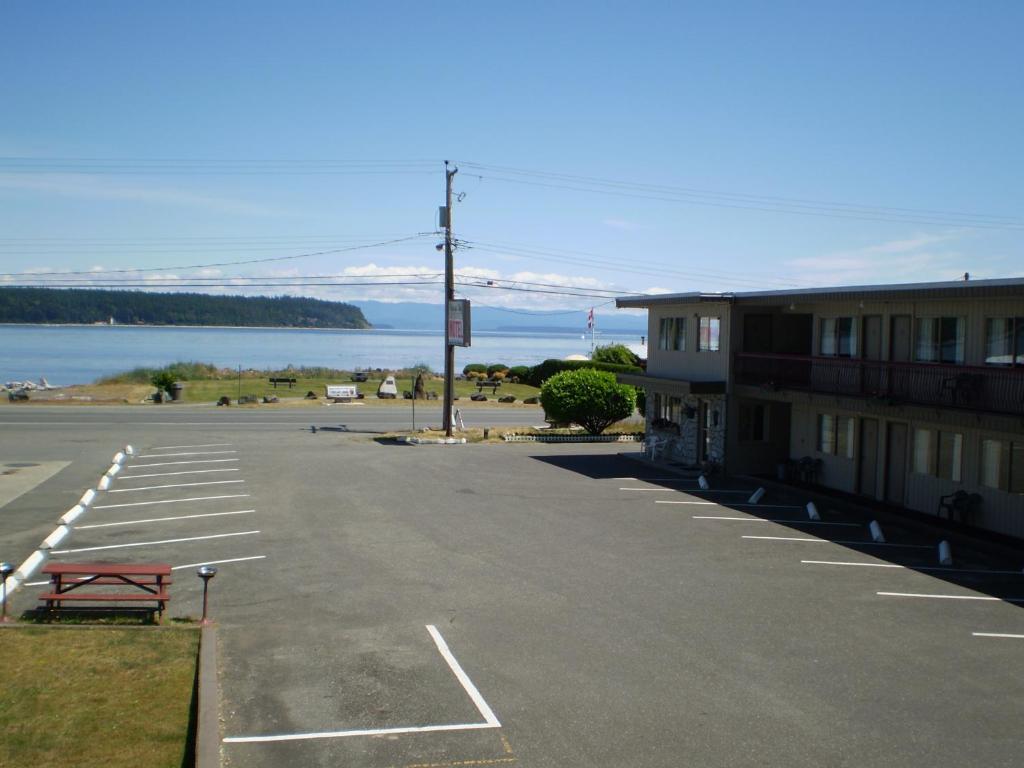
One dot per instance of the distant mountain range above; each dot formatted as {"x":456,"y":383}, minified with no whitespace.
{"x":415,"y":317}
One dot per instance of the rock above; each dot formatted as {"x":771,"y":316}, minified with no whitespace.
{"x":311,"y":395}
{"x":225,"y":400}
{"x":507,"y":399}
{"x":479,"y":397}
{"x":531,"y":400}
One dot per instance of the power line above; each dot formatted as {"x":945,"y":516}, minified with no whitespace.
{"x":766,"y":203}
{"x":232,"y":263}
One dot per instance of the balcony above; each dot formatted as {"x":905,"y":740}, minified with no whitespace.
{"x":989,"y":389}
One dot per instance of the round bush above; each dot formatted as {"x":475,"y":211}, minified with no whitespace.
{"x":474,"y":368}
{"x":495,"y":368}
{"x":593,"y":399}
{"x":520,"y":372}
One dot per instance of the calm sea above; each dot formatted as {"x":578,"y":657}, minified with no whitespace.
{"x":81,"y":354}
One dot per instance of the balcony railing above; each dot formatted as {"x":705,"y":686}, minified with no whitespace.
{"x":990,"y":389}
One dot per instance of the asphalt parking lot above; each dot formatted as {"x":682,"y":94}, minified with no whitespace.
{"x":539,"y":605}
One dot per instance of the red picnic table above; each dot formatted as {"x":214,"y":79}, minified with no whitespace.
{"x":147,"y":582}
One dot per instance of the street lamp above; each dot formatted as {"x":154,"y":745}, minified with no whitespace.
{"x":6,"y":569}
{"x":206,"y":572}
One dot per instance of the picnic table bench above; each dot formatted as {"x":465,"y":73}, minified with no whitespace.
{"x":275,"y":380}
{"x":488,"y":383}
{"x":146,"y":583}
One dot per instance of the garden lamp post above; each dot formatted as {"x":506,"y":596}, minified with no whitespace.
{"x":206,"y":572}
{"x":6,"y":569}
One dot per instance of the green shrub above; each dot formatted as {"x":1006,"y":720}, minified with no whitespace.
{"x":520,"y":372}
{"x":543,"y":371}
{"x":163,"y":381}
{"x":641,"y":401}
{"x":494,"y":368}
{"x":618,"y":354}
{"x":474,"y":368}
{"x":593,"y":399}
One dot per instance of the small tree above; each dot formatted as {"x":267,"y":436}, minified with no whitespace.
{"x":163,"y":381}
{"x":593,"y":399}
{"x":619,"y":354}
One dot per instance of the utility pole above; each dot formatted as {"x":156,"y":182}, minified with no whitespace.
{"x":449,"y":296}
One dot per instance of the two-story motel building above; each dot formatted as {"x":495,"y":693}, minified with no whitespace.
{"x":898,"y":393}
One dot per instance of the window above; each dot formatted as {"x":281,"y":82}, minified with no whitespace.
{"x":672,"y":334}
{"x":939,"y":340}
{"x":709,"y":331}
{"x":950,"y":458}
{"x":1004,"y":341}
{"x":668,"y":408}
{"x":1002,"y":465}
{"x":838,"y":337}
{"x":844,"y":436}
{"x":922,"y":459}
{"x":826,"y":433}
{"x":753,"y":423}
{"x":835,"y":435}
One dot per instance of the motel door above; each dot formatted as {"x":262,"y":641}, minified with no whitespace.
{"x":896,"y":463}
{"x":867,"y":472}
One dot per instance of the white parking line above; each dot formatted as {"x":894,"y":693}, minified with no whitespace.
{"x":182,"y":447}
{"x":218,"y":562}
{"x":183,"y":472}
{"x":654,"y":479}
{"x":736,"y":504}
{"x":490,"y":721}
{"x":170,"y":501}
{"x":187,"y":453}
{"x":830,"y":541}
{"x":174,"y":568}
{"x":151,"y":543}
{"x":953,"y":597}
{"x":173,"y":463}
{"x":696,"y":503}
{"x":174,"y":485}
{"x":163,"y":519}
{"x":651,"y":490}
{"x":997,"y":634}
{"x":915,"y":567}
{"x":766,"y":520}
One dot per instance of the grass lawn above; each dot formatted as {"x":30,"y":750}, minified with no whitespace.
{"x":105,"y":697}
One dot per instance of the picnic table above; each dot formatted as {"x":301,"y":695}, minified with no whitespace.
{"x":143,"y":583}
{"x":488,"y":383}
{"x":275,"y":380}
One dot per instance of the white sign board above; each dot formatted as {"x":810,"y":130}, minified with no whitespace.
{"x":342,"y":391}
{"x":458,"y":323}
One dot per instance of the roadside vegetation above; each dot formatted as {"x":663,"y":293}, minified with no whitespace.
{"x":90,"y":696}
{"x":591,"y":398}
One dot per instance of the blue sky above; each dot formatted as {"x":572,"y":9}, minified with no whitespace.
{"x":711,"y":119}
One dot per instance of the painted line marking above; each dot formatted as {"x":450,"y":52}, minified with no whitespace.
{"x":997,"y":634}
{"x":830,"y":541}
{"x":183,"y":472}
{"x":174,"y":568}
{"x":490,"y":721}
{"x":953,"y":597}
{"x":175,"y":485}
{"x":182,"y":447}
{"x":173,"y":463}
{"x":471,"y":690}
{"x":163,"y":519}
{"x":152,"y":543}
{"x":188,"y":453}
{"x":915,"y":567}
{"x":170,"y":501}
{"x":698,"y":503}
{"x":674,"y":490}
{"x":736,"y":504}
{"x":765,"y":520}
{"x":218,"y":562}
{"x":654,"y":479}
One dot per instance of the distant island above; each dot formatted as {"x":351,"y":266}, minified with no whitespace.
{"x":88,"y":306}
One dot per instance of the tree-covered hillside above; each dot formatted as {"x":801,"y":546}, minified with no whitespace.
{"x":57,"y":305}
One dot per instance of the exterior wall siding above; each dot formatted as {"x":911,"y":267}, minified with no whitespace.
{"x":694,"y":365}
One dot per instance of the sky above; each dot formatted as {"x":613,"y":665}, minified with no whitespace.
{"x":602,"y":148}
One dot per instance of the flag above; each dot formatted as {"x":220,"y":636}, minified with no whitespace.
{"x":590,"y":319}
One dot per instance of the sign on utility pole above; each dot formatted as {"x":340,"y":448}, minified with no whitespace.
{"x":458,"y":323}
{"x":449,"y":298}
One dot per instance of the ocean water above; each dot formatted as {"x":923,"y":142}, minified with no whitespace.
{"x":81,"y":354}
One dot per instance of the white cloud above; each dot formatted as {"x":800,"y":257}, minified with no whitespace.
{"x":101,"y":188}
{"x":922,"y":258}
